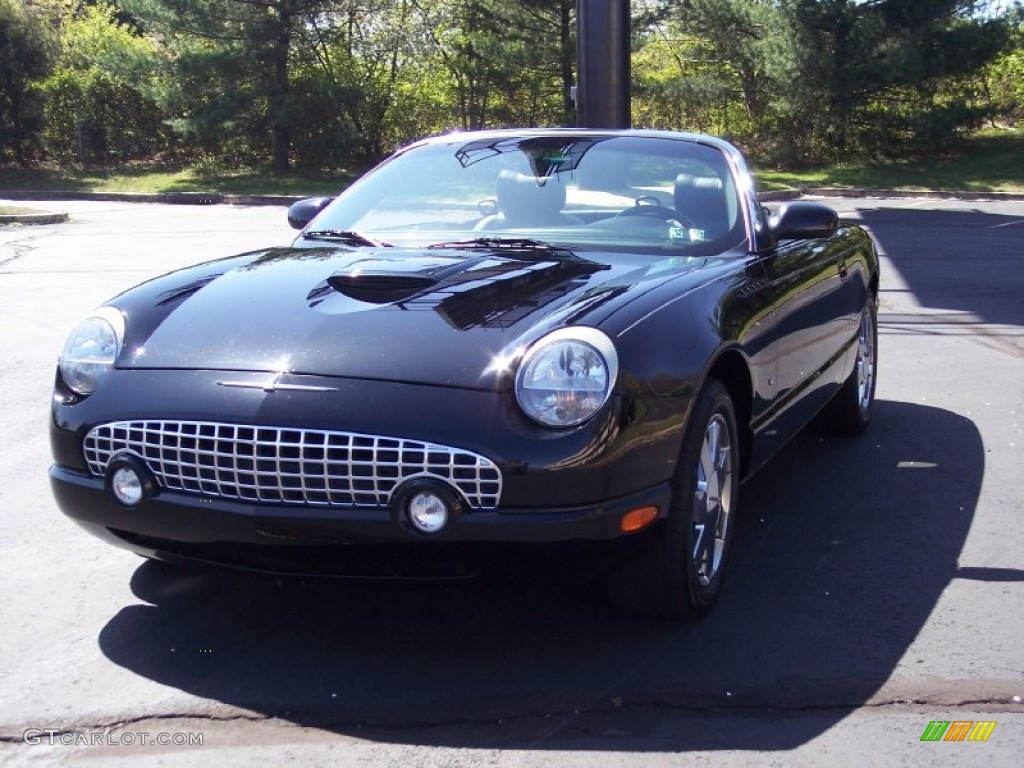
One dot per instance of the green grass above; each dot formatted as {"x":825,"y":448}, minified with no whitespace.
{"x":145,"y":178}
{"x":987,"y":162}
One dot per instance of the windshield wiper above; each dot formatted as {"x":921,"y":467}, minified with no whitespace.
{"x":347,"y":236}
{"x":510,"y":243}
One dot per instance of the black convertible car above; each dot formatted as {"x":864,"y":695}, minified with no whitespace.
{"x":497,"y":342}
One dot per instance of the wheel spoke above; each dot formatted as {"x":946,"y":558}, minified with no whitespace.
{"x":712,"y":437}
{"x":701,"y":535}
{"x":722,"y":460}
{"x":707,"y":461}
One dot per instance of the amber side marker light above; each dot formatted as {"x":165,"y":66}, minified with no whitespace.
{"x":637,"y":519}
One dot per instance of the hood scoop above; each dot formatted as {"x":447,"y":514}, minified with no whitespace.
{"x":384,"y":281}
{"x":380,"y":287}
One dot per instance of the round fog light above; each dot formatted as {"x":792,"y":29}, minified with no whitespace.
{"x":129,"y":480}
{"x":126,"y":485}
{"x":427,"y":512}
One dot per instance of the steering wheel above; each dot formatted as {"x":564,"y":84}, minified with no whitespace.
{"x":656,"y":211}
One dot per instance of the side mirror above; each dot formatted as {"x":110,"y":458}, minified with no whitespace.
{"x":803,"y":221}
{"x":304,"y":211}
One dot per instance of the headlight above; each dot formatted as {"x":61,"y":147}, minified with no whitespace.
{"x":91,"y":349}
{"x":567,"y":376}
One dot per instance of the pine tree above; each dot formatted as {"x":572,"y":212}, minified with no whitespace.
{"x":869,"y":74}
{"x":231,"y":63}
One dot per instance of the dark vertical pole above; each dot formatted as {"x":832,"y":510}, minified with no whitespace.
{"x":602,"y":93}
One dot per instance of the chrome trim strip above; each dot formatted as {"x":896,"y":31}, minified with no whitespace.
{"x":273,"y":386}
{"x":281,"y":465}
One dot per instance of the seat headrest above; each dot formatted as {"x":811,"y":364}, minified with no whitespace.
{"x":530,"y":200}
{"x":703,"y":201}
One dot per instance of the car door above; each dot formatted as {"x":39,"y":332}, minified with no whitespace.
{"x":808,"y":290}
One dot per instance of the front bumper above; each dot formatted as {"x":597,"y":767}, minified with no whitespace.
{"x":557,"y":488}
{"x":340,"y":541}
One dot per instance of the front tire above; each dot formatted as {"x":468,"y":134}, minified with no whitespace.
{"x":681,"y":574}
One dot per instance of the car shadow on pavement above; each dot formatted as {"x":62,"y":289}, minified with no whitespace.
{"x":844,"y":549}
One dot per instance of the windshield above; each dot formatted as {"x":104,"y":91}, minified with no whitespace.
{"x":620,"y":192}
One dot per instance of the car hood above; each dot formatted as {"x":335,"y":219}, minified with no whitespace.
{"x":425,"y":316}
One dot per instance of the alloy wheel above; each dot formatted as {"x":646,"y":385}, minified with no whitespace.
{"x":712,"y":500}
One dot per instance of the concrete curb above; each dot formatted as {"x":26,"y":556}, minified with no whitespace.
{"x":854,"y":192}
{"x":33,"y":218}
{"x":167,"y":198}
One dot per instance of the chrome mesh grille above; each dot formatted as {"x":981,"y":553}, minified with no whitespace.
{"x":276,"y":465}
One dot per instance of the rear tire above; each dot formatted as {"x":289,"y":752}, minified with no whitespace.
{"x":681,"y":574}
{"x":849,"y":411}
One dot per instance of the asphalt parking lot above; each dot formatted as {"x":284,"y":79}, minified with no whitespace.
{"x":877,"y":583}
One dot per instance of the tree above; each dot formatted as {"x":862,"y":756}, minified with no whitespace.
{"x":352,"y":98}
{"x":724,"y":54}
{"x":813,"y":80}
{"x":1004,"y":78}
{"x":871,"y":73}
{"x":27,"y":52}
{"x":506,"y":62}
{"x":547,"y":31}
{"x":98,"y":102}
{"x":316,"y":82}
{"x":231,"y":62}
